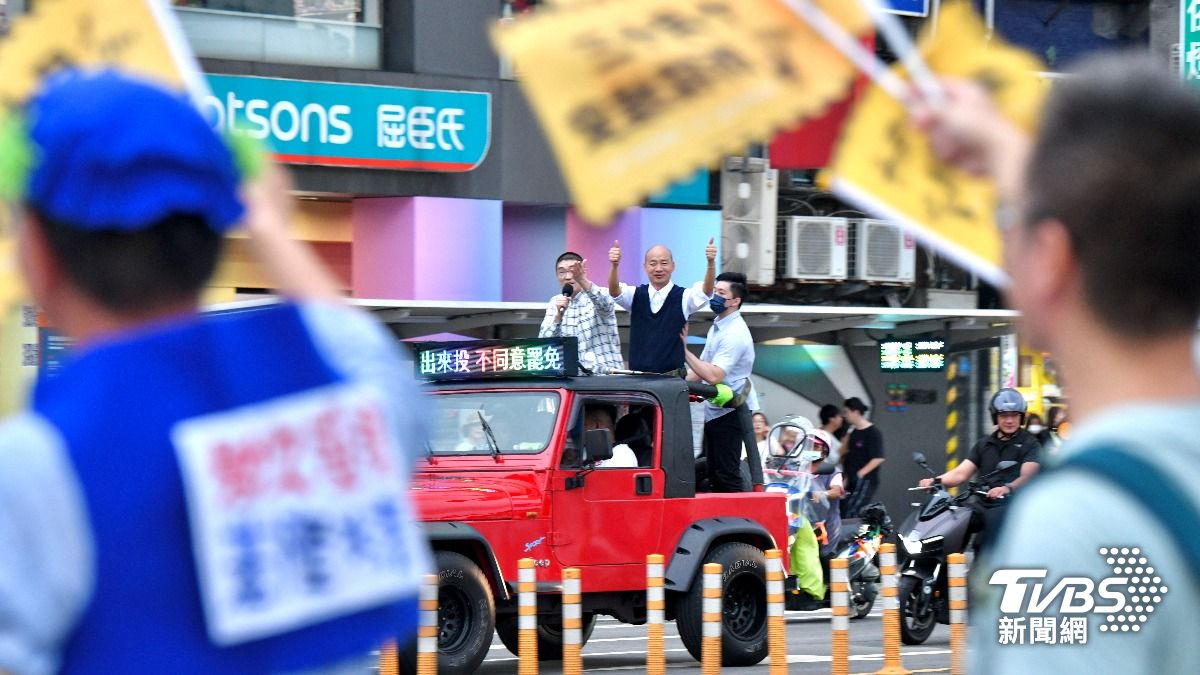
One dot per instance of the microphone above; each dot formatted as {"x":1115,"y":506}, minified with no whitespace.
{"x":567,"y":291}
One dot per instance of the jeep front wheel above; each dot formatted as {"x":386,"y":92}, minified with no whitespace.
{"x":743,"y":606}
{"x":466,"y":616}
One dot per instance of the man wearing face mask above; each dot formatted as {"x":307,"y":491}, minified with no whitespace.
{"x":728,"y":357}
{"x":1009,"y":442}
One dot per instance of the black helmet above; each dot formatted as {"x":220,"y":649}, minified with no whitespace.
{"x":1007,"y":401}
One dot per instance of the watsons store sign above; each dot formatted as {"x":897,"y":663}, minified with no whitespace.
{"x":355,"y":125}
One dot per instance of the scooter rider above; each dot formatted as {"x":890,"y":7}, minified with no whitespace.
{"x":827,"y":489}
{"x":1010,"y":441}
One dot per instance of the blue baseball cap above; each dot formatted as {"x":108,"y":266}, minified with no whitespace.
{"x":112,"y":152}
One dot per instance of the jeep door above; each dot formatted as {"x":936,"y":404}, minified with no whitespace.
{"x":615,"y":517}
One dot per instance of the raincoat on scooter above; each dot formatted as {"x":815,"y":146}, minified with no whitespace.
{"x":787,"y":470}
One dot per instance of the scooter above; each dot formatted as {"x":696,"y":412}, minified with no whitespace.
{"x":788,"y":471}
{"x":929,"y":534}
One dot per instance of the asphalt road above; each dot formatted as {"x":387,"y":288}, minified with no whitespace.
{"x":619,"y":647}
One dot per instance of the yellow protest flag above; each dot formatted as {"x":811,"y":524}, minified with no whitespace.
{"x":885,"y":166}
{"x":633,"y":94}
{"x":137,"y":36}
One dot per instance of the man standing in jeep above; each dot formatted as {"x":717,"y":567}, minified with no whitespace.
{"x":659,"y":309}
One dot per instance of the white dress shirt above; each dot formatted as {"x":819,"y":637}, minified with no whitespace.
{"x":731,"y":348}
{"x":694,"y":298}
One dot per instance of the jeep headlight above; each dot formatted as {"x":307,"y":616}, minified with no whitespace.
{"x":912,"y":546}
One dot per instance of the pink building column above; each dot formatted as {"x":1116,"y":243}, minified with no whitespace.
{"x":427,"y":248}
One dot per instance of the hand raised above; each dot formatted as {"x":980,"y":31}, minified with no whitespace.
{"x":614,"y":253}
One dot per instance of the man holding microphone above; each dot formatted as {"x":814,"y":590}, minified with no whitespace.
{"x":585,"y":312}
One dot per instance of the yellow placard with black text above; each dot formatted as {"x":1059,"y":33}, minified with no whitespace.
{"x":633,"y":94}
{"x":134,"y":35}
{"x":137,"y":36}
{"x":884,"y":165}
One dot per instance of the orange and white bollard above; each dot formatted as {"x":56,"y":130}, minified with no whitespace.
{"x":572,"y":622}
{"x":839,"y":600}
{"x":656,"y":658}
{"x":427,"y":627}
{"x":891,"y":613}
{"x":710,"y":650}
{"x":389,"y":659}
{"x":527,"y":658}
{"x":958,"y":612}
{"x":776,"y":630}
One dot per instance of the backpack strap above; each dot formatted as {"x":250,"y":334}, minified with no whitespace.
{"x":1151,"y":488}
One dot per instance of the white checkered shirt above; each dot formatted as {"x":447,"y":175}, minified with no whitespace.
{"x":591,"y":316}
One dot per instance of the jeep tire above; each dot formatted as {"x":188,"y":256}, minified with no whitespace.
{"x":549,"y":635}
{"x":743,"y":606}
{"x":466,"y":617}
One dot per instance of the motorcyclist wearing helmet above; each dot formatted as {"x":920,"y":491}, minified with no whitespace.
{"x":1009,"y":442}
{"x":827,"y":489}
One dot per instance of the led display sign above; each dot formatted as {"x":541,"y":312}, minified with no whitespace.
{"x":492,"y":359}
{"x":916,"y":354}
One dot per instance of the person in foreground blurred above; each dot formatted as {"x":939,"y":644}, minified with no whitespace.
{"x":1101,"y":240}
{"x":193,"y":493}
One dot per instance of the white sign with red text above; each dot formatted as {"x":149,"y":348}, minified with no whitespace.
{"x":298,"y":510}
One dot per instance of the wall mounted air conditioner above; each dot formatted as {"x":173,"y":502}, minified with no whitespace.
{"x":749,"y":202}
{"x":883,"y":252}
{"x":816,"y":248}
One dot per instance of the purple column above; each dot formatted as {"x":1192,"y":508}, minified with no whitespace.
{"x":427,"y":248}
{"x":534,"y":236}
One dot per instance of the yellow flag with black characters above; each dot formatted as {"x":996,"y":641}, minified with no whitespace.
{"x":885,"y":166}
{"x":633,"y":94}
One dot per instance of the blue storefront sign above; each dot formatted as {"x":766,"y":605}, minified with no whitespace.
{"x":906,"y":7}
{"x":355,"y":125}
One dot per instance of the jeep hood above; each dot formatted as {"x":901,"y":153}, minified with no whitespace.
{"x":447,"y":498}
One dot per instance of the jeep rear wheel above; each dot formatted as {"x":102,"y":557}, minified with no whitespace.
{"x":743,"y":606}
{"x":466,"y":616}
{"x":550,"y":638}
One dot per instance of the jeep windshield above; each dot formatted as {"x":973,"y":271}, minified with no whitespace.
{"x":520,"y":422}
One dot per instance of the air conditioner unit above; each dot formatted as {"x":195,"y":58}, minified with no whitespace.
{"x":816,"y":248}
{"x":749,"y":202}
{"x":883,"y":252}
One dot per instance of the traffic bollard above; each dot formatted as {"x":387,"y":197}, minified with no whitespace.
{"x":710,"y":652}
{"x":572,"y":622}
{"x":656,"y":658}
{"x":427,"y":630}
{"x":958,"y":612}
{"x":839,"y":596}
{"x":527,"y":658}
{"x":891,"y":613}
{"x":776,"y":630}
{"x":389,"y":659}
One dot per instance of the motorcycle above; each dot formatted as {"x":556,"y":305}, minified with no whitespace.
{"x":788,"y":470}
{"x":934,"y":530}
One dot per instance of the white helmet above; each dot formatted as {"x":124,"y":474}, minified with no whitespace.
{"x":822,"y":436}
{"x":789,"y":436}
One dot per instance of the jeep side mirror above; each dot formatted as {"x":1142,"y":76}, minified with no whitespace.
{"x":597,"y":445}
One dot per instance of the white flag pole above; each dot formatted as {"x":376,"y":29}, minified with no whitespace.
{"x":852,"y":49}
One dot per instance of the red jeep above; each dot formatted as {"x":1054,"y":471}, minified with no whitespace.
{"x":511,"y":472}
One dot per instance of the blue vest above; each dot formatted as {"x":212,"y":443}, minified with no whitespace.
{"x":114,"y":408}
{"x":654,"y":344}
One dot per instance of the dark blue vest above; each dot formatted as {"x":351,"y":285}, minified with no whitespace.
{"x":654,"y":344}
{"x":114,"y":407}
